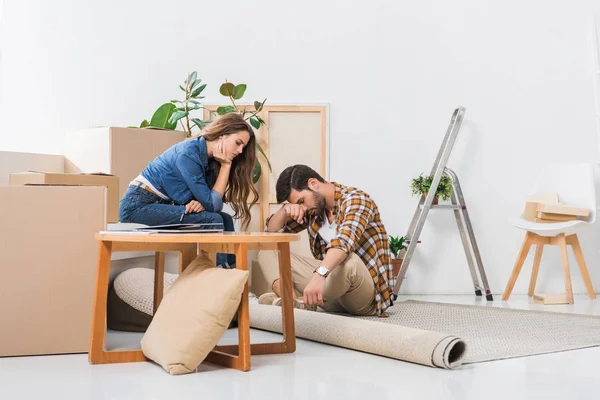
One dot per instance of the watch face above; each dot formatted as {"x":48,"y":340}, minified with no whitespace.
{"x":322,"y":271}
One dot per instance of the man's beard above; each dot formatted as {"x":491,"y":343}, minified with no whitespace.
{"x":319,"y":204}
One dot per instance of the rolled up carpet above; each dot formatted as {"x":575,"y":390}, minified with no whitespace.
{"x":434,"y":349}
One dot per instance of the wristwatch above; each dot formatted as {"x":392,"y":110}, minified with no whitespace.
{"x":323,"y":271}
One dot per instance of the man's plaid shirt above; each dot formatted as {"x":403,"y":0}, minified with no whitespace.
{"x":360,"y":231}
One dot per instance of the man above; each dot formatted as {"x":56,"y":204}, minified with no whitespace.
{"x":351,"y":270}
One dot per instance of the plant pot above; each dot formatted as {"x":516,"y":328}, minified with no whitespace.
{"x":396,"y":263}
{"x":435,"y":200}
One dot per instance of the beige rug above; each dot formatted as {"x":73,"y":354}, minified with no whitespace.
{"x":435,"y":334}
{"x":493,"y":333}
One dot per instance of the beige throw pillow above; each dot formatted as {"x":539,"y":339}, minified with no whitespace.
{"x":193,"y":316}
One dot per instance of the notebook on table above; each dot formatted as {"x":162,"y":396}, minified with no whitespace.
{"x":183,"y":228}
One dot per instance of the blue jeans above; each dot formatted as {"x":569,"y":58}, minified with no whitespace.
{"x":142,"y":207}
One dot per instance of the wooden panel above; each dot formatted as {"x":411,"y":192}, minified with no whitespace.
{"x":294,"y":138}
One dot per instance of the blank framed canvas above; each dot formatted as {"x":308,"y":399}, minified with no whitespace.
{"x":292,"y":134}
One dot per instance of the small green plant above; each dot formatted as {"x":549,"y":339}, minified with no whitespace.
{"x":397,"y":244}
{"x":420,"y":186}
{"x":181,"y":111}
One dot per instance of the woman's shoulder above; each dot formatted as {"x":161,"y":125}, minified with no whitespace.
{"x":194,"y":148}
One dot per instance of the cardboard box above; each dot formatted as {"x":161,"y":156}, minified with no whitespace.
{"x":48,"y":257}
{"x":46,"y":178}
{"x":534,"y":200}
{"x":12,"y":162}
{"x":123,"y":152}
{"x":545,"y":207}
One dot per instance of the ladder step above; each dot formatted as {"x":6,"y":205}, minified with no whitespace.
{"x":448,"y":207}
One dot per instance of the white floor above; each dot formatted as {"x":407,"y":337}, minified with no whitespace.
{"x":318,"y":371}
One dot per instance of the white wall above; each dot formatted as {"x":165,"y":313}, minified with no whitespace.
{"x":393,"y":72}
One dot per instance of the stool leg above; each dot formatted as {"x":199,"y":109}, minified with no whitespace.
{"x":582,"y":266}
{"x":536,"y":267}
{"x":518,"y":265}
{"x":562,"y":243}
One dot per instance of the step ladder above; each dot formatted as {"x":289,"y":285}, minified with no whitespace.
{"x":457,"y":205}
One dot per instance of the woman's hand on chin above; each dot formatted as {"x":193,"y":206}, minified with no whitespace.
{"x":219,"y":153}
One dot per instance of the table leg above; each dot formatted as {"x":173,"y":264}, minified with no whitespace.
{"x":237,"y":356}
{"x":159,"y":279}
{"x":288,"y":345}
{"x":287,"y":291}
{"x":97,"y":353}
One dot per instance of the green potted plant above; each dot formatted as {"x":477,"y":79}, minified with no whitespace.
{"x":181,"y":111}
{"x":421,"y":185}
{"x":398,"y":250}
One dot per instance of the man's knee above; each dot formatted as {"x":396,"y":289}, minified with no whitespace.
{"x":349,"y":267}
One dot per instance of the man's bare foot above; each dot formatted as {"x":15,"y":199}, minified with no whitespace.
{"x":277,"y":289}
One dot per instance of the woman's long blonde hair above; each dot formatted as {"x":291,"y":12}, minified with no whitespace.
{"x":240,"y":183}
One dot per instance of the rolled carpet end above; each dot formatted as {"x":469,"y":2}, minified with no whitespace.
{"x":434,"y":349}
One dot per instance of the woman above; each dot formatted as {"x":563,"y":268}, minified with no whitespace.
{"x":189,"y":182}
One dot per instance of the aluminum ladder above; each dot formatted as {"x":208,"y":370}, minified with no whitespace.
{"x":457,"y":205}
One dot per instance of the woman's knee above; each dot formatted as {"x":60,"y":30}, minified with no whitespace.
{"x":209,"y":217}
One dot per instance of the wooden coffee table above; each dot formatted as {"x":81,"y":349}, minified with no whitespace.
{"x":233,"y":356}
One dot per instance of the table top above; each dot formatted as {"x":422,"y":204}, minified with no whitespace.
{"x":224,"y":237}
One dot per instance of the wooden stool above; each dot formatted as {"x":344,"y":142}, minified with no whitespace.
{"x":562,"y":241}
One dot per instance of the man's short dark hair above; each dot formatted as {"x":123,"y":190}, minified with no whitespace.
{"x":295,"y":177}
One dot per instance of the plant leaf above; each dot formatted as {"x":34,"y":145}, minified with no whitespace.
{"x":195,"y":83}
{"x":177,"y":115}
{"x":191,"y":78}
{"x":193,"y":101}
{"x":225,"y":110}
{"x":256,"y":172}
{"x":239,"y":90}
{"x":144,"y":123}
{"x":254,"y":122}
{"x":264,"y":155}
{"x":162,"y":116}
{"x":200,"y":123}
{"x":198,"y":90}
{"x":258,"y":105}
{"x":260,"y":120}
{"x":227,"y":89}
{"x":182,"y":88}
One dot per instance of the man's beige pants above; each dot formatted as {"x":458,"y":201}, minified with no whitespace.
{"x":348,"y":288}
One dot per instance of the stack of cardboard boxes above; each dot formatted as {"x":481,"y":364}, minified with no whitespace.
{"x":545,"y":208}
{"x":48,"y":221}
